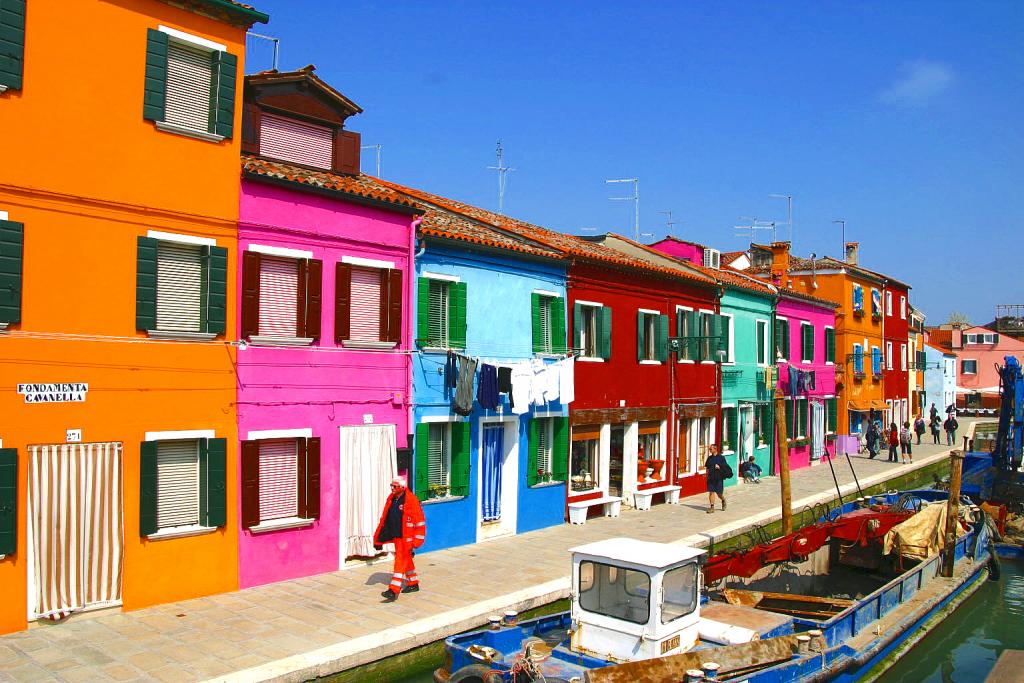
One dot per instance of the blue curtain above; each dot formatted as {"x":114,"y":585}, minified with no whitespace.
{"x":491,"y":472}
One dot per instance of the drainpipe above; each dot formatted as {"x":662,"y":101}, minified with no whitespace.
{"x":411,"y":325}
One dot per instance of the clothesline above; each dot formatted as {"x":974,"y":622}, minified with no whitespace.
{"x":524,"y":383}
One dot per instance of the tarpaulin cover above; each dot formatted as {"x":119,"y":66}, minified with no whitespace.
{"x":921,"y":536}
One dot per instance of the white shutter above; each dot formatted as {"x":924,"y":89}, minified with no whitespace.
{"x":364,"y":324}
{"x":179,"y":269}
{"x":279,"y":487}
{"x":177,"y":482}
{"x":279,"y":293}
{"x":189,"y":80}
{"x":298,"y":141}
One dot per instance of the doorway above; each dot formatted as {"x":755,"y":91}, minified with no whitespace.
{"x":618,"y":452}
{"x":75,"y":528}
{"x":817,"y":430}
{"x":746,"y":433}
{"x":498,"y":483}
{"x":367,"y":466}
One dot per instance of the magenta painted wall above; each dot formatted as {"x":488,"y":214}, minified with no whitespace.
{"x":821,"y":316}
{"x":321,"y":387}
{"x":683,"y":251}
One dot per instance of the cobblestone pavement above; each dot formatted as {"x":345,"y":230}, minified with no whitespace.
{"x":295,"y":630}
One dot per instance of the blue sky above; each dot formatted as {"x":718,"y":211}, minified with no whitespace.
{"x":904,"y":119}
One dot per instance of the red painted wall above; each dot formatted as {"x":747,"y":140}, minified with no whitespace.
{"x":895,"y":382}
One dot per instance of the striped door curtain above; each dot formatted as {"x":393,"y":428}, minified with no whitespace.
{"x":279,"y":292}
{"x":75,"y":528}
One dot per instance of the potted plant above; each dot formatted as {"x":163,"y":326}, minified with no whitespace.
{"x":658,"y":465}
{"x":438,"y":490}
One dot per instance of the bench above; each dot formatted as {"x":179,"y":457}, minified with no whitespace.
{"x":578,"y":511}
{"x":643,"y":497}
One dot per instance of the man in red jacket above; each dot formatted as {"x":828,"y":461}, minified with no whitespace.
{"x":402,"y":523}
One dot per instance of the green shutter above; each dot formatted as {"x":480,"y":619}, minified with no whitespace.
{"x":693,"y":345}
{"x":215,"y":290}
{"x":12,"y":241}
{"x":807,"y":342}
{"x":421,"y":465}
{"x":789,"y":419}
{"x":831,"y":407}
{"x":723,"y":340}
{"x":8,"y":501}
{"x":423,"y":312}
{"x":830,"y":345}
{"x":457,"y":315}
{"x":604,"y":333}
{"x":661,"y":341}
{"x":213,"y":494}
{"x":558,"y":324}
{"x":785,"y":339}
{"x":577,"y":328}
{"x":222,"y":94}
{"x":154,"y":101}
{"x":778,"y":340}
{"x":147,"y":488}
{"x":533,"y":439}
{"x":560,"y":449}
{"x":641,"y":336}
{"x":715,"y":341}
{"x":535,"y":324}
{"x":759,"y":341}
{"x":461,"y":453}
{"x":12,"y":44}
{"x":145,"y":284}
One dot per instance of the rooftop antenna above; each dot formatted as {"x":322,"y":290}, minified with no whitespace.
{"x":789,"y":211}
{"x":376,"y":147}
{"x":749,"y":231}
{"x":842,"y":252}
{"x":670,"y":223}
{"x":277,"y":46}
{"x":636,"y":202}
{"x":502,"y":170}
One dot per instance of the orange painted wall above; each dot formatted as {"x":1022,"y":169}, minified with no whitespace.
{"x":86,"y":175}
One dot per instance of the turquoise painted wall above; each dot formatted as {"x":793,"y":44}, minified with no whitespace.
{"x":743,"y":377}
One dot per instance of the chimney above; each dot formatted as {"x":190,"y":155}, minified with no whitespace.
{"x":852,"y":252}
{"x":957,"y":337}
{"x":780,"y":260}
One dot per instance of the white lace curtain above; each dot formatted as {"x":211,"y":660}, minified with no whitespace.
{"x":367,"y":468}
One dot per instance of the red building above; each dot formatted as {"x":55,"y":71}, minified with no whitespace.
{"x":895,"y":352}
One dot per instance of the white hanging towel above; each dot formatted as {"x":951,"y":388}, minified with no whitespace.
{"x":540,"y":379}
{"x":567,"y":381}
{"x":522,"y":387}
{"x":552,"y":377}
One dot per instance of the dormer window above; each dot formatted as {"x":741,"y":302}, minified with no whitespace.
{"x":297,"y":141}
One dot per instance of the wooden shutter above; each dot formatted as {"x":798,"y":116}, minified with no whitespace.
{"x":251,"y":266}
{"x":179,"y":287}
{"x":215,"y":290}
{"x":604,"y":333}
{"x":177,"y":477}
{"x":559,"y":448}
{"x":831,"y":407}
{"x":461,"y":456}
{"x":311,"y":302}
{"x":189,"y":78}
{"x":577,"y":327}
{"x":558,"y":339}
{"x":147,"y":488}
{"x":8,"y":501}
{"x":532,"y":443}
{"x":535,"y":322}
{"x":251,"y":125}
{"x":342,"y":301}
{"x":222,"y":94}
{"x":145,"y":283}
{"x":785,"y":339}
{"x":213,"y":494}
{"x":790,"y":427}
{"x":830,"y":345}
{"x":423,"y":311}
{"x":725,"y":323}
{"x":715,"y":341}
{"x":808,"y":349}
{"x":12,"y":240}
{"x":367,"y":299}
{"x":278,"y":479}
{"x":312,"y":478}
{"x":457,"y":315}
{"x":289,"y":139}
{"x":250,"y":492}
{"x":641,"y":336}
{"x":693,"y":334}
{"x":661,"y":341}
{"x":346,"y":152}
{"x":279,"y":296}
{"x":421,"y":467}
{"x":154,"y":98}
{"x":391,"y":313}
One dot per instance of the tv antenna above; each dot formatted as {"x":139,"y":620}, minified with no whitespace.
{"x":789,"y":211}
{"x":502,"y":170}
{"x":636,"y":202}
{"x":670,"y":223}
{"x":749,"y":231}
{"x":277,"y":47}
{"x":377,"y":148}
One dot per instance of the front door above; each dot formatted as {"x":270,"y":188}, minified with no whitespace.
{"x":618,"y":453}
{"x":817,"y":430}
{"x":367,"y":466}
{"x":75,"y":528}
{"x":746,"y":434}
{"x":498,"y":482}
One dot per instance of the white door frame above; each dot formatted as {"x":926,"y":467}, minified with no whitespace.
{"x":746,"y":436}
{"x":509,"y":476}
{"x":342,"y":500}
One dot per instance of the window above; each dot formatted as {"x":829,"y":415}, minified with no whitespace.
{"x":806,"y":342}
{"x":12,"y":239}
{"x":183,"y":484}
{"x":903,"y":357}
{"x":616,"y":592}
{"x":761,"y":336}
{"x":548,"y":323}
{"x":903,"y":307}
{"x":367,"y":304}
{"x":190,"y":85}
{"x":441,"y":313}
{"x":651,"y":336}
{"x":970,"y":339}
{"x":592,"y":330}
{"x":888,"y":303}
{"x":548,"y":450}
{"x":830,"y":345}
{"x":649,"y":440}
{"x":969,"y":367}
{"x":796,"y":418}
{"x":876,"y":361}
{"x":876,"y":304}
{"x":858,"y":299}
{"x":679,"y":592}
{"x":782,"y":339}
{"x":728,"y":429}
{"x":297,"y":141}
{"x":725,"y":339}
{"x":705,"y":434}
{"x":686,"y":328}
{"x":442,"y":460}
{"x":181,"y":286}
{"x":12,"y":56}
{"x":281,"y":297}
{"x":585,"y":466}
{"x":763,"y":426}
{"x":888,"y":356}
{"x":858,"y":359}
{"x":280,"y":482}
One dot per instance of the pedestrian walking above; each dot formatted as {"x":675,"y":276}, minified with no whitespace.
{"x":936,"y":425}
{"x":894,"y":441}
{"x":906,"y":439}
{"x":718,"y":471}
{"x":919,"y":428}
{"x":403,"y":524}
{"x":934,"y":412}
{"x":951,"y":425}
{"x":872,"y":440}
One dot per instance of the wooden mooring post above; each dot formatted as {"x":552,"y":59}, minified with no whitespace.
{"x":956,"y":467}
{"x":783,"y":438}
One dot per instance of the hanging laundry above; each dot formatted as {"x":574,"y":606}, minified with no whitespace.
{"x":522,"y":388}
{"x":551,"y":379}
{"x":567,"y":381}
{"x":487,"y":387}
{"x":539,"y":381}
{"x":464,"y":387}
{"x":801,"y":381}
{"x":505,"y":383}
{"x":792,"y":381}
{"x":811,"y":380}
{"x":451,"y":371}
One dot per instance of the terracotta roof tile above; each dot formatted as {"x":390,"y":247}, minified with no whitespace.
{"x":356,"y":185}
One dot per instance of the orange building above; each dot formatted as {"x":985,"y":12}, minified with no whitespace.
{"x":118,"y":230}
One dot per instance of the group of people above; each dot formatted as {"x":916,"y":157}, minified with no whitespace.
{"x":899,"y":440}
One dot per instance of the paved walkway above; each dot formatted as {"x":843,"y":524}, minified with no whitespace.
{"x":297,"y":630}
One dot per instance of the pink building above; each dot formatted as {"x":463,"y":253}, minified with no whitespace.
{"x":323,"y":375}
{"x":978,"y":351}
{"x":805,"y":352}
{"x":687,"y":251}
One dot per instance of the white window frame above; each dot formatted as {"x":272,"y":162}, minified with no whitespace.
{"x":730,"y":352}
{"x":825,"y":345}
{"x":195,"y":435}
{"x":964,"y":371}
{"x":853,"y":298}
{"x":545,"y":302}
{"x":903,"y":307}
{"x":650,"y":336}
{"x":989,"y":338}
{"x":191,"y":240}
{"x":547,"y":425}
{"x":730,"y":424}
{"x":765,"y":341}
{"x":888,"y":356}
{"x":783,"y":359}
{"x":801,"y":424}
{"x":446,"y":458}
{"x":881,"y":359}
{"x":688,"y":309}
{"x":585,"y":332}
{"x":174,"y":35}
{"x":853,"y":361}
{"x":903,"y":357}
{"x":806,"y":361}
{"x":705,"y":338}
{"x":888,"y":303}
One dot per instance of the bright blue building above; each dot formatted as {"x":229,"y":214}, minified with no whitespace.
{"x":497,"y":299}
